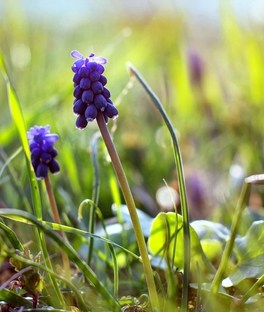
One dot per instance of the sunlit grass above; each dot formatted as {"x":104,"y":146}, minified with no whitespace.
{"x":218,"y":120}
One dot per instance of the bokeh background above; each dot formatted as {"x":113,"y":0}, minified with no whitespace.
{"x":203,"y":59}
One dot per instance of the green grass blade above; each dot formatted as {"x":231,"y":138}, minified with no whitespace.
{"x":19,"y":122}
{"x":14,"y":299}
{"x":10,"y":234}
{"x":9,"y":159}
{"x":181,"y":179}
{"x":72,"y":254}
{"x":115,"y":266}
{"x":18,"y":215}
{"x":13,"y":177}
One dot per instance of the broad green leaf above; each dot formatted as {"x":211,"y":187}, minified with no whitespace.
{"x":162,"y":235}
{"x":213,"y":249}
{"x":252,"y":244}
{"x":251,"y":268}
{"x":211,"y":230}
{"x":145,"y":219}
{"x":214,"y":302}
{"x":212,"y":236}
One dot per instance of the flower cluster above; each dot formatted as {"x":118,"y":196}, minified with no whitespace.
{"x":90,"y":92}
{"x":41,"y":143}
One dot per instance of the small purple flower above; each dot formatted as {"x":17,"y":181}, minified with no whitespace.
{"x":90,"y":94}
{"x":196,"y":68}
{"x":41,"y":143}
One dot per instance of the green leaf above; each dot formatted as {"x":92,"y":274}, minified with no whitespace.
{"x":212,"y":236}
{"x":251,"y":268}
{"x":213,"y":250}
{"x":211,"y":230}
{"x":221,"y":300}
{"x":252,"y":244}
{"x":162,"y":234}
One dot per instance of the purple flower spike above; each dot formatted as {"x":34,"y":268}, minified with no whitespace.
{"x":41,"y":143}
{"x":90,"y":94}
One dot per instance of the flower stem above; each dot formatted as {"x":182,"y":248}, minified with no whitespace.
{"x":95,"y":194}
{"x":230,"y":243}
{"x":132,"y":210}
{"x":56,"y":217}
{"x":182,"y":186}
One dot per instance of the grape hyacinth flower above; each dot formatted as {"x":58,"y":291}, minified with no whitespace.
{"x":43,"y":153}
{"x":90,"y":92}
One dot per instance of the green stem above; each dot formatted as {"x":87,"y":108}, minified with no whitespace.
{"x":132,"y":209}
{"x":230,"y":243}
{"x":198,"y":295}
{"x":182,"y":187}
{"x":171,"y":290}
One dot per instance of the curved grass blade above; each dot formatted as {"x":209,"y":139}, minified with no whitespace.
{"x":19,"y":122}
{"x":7,"y":161}
{"x":17,"y":186}
{"x":96,"y":210}
{"x":14,"y":299}
{"x":10,"y":234}
{"x":241,"y":204}
{"x":82,"y":304}
{"x":181,"y":179}
{"x":72,"y":254}
{"x":18,"y":215}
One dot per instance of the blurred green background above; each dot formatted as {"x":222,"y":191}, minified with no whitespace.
{"x":205,"y":63}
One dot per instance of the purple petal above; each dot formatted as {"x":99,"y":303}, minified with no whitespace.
{"x":41,"y":171}
{"x":111,"y":111}
{"x":90,"y":112}
{"x":54,"y":166}
{"x":51,"y":137}
{"x":77,"y":55}
{"x":37,"y":130}
{"x":99,"y":59}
